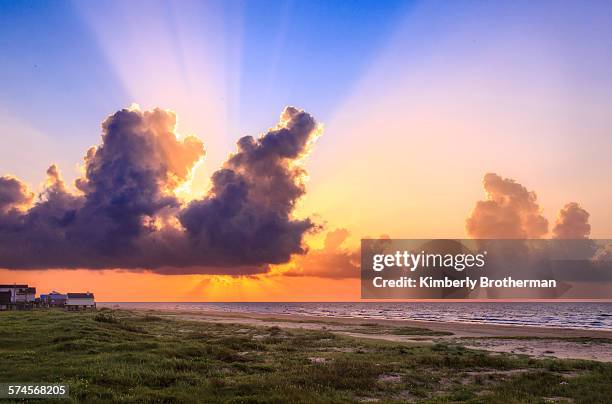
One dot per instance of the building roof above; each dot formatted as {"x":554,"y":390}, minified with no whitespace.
{"x":5,"y":297}
{"x":53,"y":297}
{"x":13,"y":286}
{"x":80,"y":296}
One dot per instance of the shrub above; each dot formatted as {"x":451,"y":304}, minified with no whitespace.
{"x":105,"y":318}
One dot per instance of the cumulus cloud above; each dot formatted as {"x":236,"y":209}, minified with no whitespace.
{"x":572,"y":228}
{"x":510,"y":211}
{"x":247,"y":217}
{"x":126,"y":215}
{"x":334,"y":260}
{"x":572,"y":223}
{"x":13,"y":194}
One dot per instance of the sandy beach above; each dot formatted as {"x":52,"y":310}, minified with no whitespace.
{"x":521,"y":340}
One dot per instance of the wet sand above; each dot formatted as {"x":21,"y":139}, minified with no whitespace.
{"x":521,"y":340}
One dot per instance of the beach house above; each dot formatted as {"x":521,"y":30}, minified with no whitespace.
{"x":19,"y":296}
{"x":76,"y":301}
{"x":53,"y":299}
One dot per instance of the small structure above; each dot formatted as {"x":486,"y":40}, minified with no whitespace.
{"x":53,"y":299}
{"x":76,"y":301}
{"x":26,"y":296}
{"x":21,"y":296}
{"x":13,"y":289}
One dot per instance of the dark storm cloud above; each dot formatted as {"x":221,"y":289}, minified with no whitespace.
{"x":127,"y":216}
{"x":246,"y":218}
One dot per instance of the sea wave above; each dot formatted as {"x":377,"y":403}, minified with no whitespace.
{"x":563,"y":315}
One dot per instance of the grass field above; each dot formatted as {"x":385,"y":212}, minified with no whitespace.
{"x":122,"y":356}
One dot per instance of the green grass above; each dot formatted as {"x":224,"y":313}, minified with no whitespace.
{"x":122,"y":356}
{"x":374,"y":328}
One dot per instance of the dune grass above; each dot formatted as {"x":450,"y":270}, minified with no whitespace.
{"x":123,"y":356}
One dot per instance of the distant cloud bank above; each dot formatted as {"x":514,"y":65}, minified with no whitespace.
{"x":510,"y":211}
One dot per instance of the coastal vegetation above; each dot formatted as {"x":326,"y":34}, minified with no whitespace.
{"x":126,"y":356}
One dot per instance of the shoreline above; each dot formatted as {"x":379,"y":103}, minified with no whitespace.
{"x":559,"y":320}
{"x":463,"y":329}
{"x":537,"y":342}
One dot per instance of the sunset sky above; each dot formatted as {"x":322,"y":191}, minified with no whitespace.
{"x":415,"y":102}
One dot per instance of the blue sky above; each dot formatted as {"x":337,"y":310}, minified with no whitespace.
{"x":66,"y":65}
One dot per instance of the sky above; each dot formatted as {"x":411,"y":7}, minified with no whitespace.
{"x":414,"y":101}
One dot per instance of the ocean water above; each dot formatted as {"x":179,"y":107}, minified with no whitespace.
{"x":564,"y":315}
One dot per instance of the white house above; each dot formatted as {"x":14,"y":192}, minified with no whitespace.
{"x":25,"y":296}
{"x":13,"y":289}
{"x":77,"y":301}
